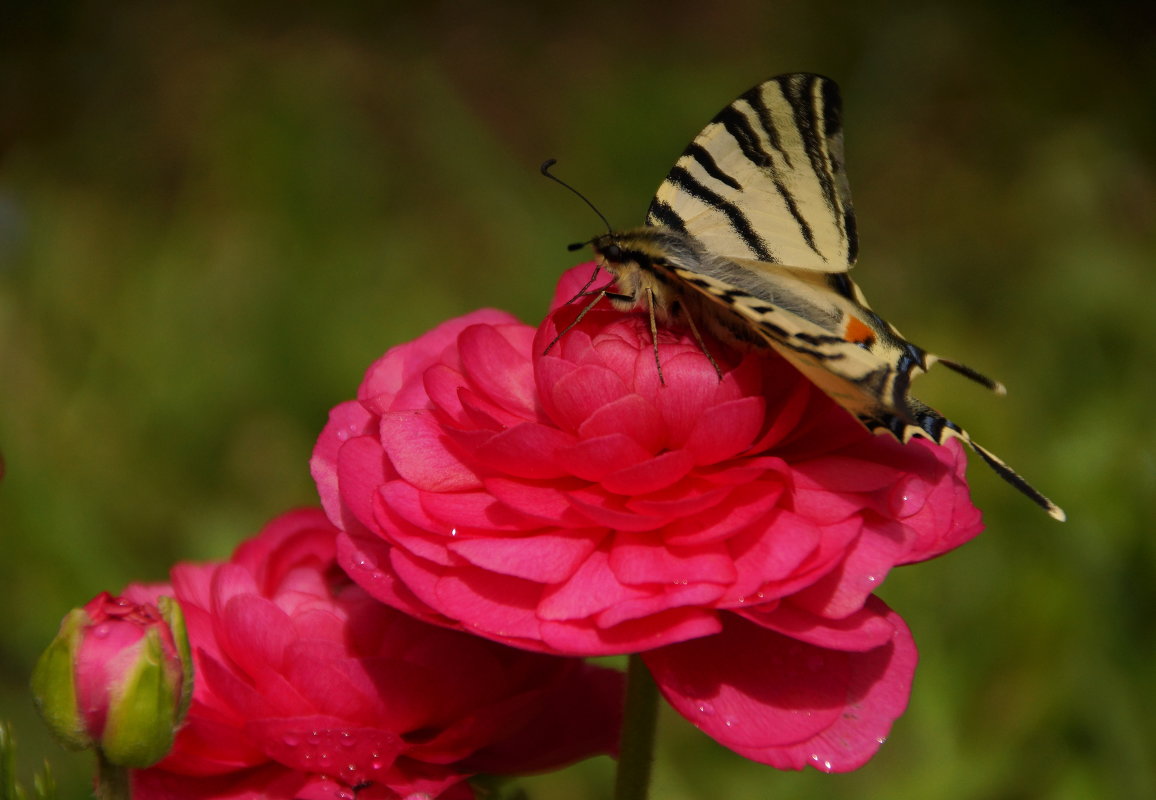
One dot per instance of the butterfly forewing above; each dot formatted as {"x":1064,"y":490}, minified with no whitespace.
{"x":764,"y":180}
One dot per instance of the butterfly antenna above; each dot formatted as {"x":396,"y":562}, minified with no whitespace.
{"x":545,"y":169}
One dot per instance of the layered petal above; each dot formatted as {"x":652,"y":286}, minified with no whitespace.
{"x":308,"y":687}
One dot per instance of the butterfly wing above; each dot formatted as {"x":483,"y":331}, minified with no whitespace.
{"x":765,"y":179}
{"x":853,"y":355}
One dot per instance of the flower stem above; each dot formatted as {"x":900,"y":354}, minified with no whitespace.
{"x":636,"y":749}
{"x":111,"y":781}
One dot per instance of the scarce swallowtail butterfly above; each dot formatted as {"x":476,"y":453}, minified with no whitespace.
{"x":752,"y":234}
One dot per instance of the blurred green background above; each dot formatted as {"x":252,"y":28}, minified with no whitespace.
{"x":214,"y":215}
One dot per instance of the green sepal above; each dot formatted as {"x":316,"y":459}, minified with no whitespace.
{"x":175,"y":618}
{"x":54,"y":686}
{"x":142,"y":709}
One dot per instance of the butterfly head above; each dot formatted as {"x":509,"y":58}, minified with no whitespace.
{"x":608,"y":251}
{"x":641,"y":262}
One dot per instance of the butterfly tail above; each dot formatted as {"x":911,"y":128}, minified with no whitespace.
{"x":967,"y":372}
{"x":927,"y":423}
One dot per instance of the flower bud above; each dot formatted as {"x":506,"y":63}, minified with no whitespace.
{"x":118,"y":678}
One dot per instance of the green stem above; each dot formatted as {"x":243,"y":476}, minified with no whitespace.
{"x":112,"y":782}
{"x":636,"y":749}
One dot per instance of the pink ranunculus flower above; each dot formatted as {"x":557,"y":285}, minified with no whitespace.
{"x":551,"y":493}
{"x":306,"y":687}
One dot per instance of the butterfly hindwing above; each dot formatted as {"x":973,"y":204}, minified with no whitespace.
{"x":859,"y":360}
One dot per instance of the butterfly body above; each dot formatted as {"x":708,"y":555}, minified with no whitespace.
{"x":795,"y":312}
{"x":752,"y":235}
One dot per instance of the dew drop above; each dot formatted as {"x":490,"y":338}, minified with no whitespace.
{"x":453,"y":531}
{"x":314,"y":737}
{"x":346,"y":739}
{"x":376,"y":764}
{"x":705,"y":709}
{"x":290,"y":740}
{"x":101,"y":631}
{"x":821,"y":763}
{"x":908,"y":497}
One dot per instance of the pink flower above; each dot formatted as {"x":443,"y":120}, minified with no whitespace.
{"x":117,"y":678}
{"x":306,"y":687}
{"x":731,"y":530}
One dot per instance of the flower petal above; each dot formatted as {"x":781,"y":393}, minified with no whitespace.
{"x":785,"y":703}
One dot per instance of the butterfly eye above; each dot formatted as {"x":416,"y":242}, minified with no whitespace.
{"x":613,"y":252}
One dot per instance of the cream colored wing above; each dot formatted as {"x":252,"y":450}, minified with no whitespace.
{"x":764,"y":180}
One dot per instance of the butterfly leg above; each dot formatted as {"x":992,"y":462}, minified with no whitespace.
{"x":654,"y":334}
{"x":582,"y":292}
{"x":598,"y":296}
{"x":702,"y":345}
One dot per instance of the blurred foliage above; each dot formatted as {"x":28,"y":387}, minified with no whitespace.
{"x":214,"y":215}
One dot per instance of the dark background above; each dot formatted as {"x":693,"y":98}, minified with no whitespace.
{"x":213,"y":216}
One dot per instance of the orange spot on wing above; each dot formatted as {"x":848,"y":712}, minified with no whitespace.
{"x":858,"y":332}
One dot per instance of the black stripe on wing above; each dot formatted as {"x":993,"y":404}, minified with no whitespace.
{"x":710,"y":166}
{"x":738,"y":125}
{"x":661,"y":214}
{"x":686,"y":182}
{"x":808,"y":107}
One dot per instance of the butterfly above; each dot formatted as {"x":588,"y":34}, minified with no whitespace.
{"x":752,"y":235}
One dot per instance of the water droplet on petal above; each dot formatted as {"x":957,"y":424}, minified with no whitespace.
{"x":908,"y":497}
{"x":705,"y":708}
{"x":101,"y":631}
{"x":290,"y":740}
